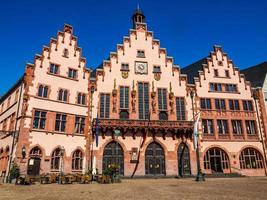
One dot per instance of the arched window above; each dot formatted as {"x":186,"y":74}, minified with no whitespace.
{"x":79,"y":98}
{"x":124,"y":114}
{"x":35,"y":152}
{"x":83,"y":99}
{"x":251,"y":158}
{"x":216,"y":160}
{"x":63,"y":95}
{"x":60,"y":95}
{"x":43,"y":91}
{"x":77,"y":160}
{"x":40,"y":91}
{"x":66,"y":53}
{"x":55,"y":159}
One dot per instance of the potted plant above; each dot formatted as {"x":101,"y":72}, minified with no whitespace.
{"x":14,"y":173}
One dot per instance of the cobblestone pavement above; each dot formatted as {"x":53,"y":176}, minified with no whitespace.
{"x":152,"y":189}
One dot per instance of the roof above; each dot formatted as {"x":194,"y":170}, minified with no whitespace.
{"x":14,"y":87}
{"x":256,"y":74}
{"x":192,"y":70}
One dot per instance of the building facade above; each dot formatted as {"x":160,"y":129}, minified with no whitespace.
{"x":137,"y":110}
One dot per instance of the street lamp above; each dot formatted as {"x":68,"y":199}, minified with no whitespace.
{"x":23,"y":152}
{"x":200,"y":176}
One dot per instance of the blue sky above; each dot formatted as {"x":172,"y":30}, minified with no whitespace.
{"x":187,"y":29}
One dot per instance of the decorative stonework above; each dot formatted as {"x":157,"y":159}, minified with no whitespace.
{"x":171,"y":99}
{"x":153,"y":97}
{"x":133,"y":101}
{"x":114,"y":95}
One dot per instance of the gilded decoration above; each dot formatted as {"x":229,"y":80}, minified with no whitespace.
{"x":133,"y":101}
{"x":171,"y":99}
{"x":114,"y":95}
{"x":125,"y":74}
{"x":157,"y":76}
{"x":153,"y":96}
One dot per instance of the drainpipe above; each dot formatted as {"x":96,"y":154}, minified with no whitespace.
{"x":255,"y":97}
{"x":14,"y":135}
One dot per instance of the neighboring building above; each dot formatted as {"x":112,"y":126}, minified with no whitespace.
{"x":229,"y":117}
{"x":256,"y":75}
{"x":53,"y":117}
{"x":142,"y":107}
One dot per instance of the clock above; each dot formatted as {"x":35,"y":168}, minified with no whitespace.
{"x":141,"y":67}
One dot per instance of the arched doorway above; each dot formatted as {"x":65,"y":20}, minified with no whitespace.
{"x":34,"y":162}
{"x":155,"y":160}
{"x":184,"y":167}
{"x":113,"y":154}
{"x":216,"y":160}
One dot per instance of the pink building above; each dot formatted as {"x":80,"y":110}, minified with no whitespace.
{"x":141,"y":105}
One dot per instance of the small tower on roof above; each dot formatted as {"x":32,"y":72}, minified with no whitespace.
{"x":138,"y":17}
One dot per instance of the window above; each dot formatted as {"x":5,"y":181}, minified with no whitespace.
{"x":124,"y":97}
{"x":216,"y":159}
{"x":222,"y":127}
{"x":39,"y":119}
{"x":55,"y":159}
{"x":79,"y":124}
{"x":77,"y":160}
{"x":237,"y":127}
{"x":220,"y":104}
{"x":180,"y":108}
{"x":104,"y":105}
{"x":65,"y":53}
{"x":251,"y":127}
{"x":143,"y":100}
{"x":60,"y":122}
{"x":124,"y":114}
{"x":124,"y":66}
{"x":63,"y":95}
{"x":8,"y":102}
{"x":247,"y":105}
{"x":72,"y":73}
{"x":12,"y":122}
{"x":141,"y":53}
{"x":163,"y":115}
{"x":54,"y":69}
{"x":162,"y":99}
{"x":205,"y":103}
{"x":43,"y":91}
{"x":215,"y":87}
{"x":250,"y":158}
{"x":234,"y":104}
{"x":207,"y":125}
{"x":4,"y":125}
{"x":17,"y":95}
{"x":156,"y":69}
{"x":216,"y":74}
{"x":230,"y":88}
{"x":227,"y":73}
{"x":81,"y":98}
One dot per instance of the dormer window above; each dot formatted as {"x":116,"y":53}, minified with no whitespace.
{"x":124,"y":67}
{"x":54,"y":69}
{"x":156,"y":69}
{"x":140,"y":53}
{"x":72,"y":73}
{"x":65,"y":53}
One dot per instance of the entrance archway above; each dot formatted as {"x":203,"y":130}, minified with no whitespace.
{"x":216,"y":160}
{"x":34,"y":162}
{"x":113,"y":154}
{"x":184,"y":167}
{"x":155,"y":160}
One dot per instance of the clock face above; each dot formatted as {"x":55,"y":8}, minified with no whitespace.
{"x":141,"y":67}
